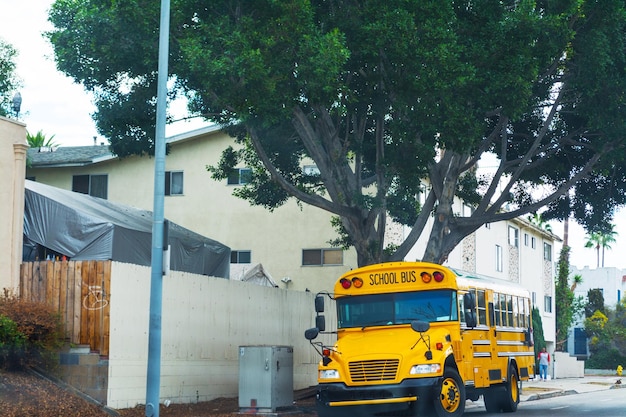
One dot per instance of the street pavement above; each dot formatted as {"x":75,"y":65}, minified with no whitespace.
{"x":537,"y":389}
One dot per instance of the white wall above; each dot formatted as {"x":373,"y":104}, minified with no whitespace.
{"x":611,"y":280}
{"x":566,"y":366}
{"x":13,"y":148}
{"x":204,"y":322}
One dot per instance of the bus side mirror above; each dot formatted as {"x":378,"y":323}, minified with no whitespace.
{"x":470,"y":319}
{"x":469,"y":301}
{"x":469,"y":305}
{"x":311,"y":334}
{"x":319,"y":304}
{"x":320,"y":323}
{"x":420,"y":326}
{"x":529,"y":338}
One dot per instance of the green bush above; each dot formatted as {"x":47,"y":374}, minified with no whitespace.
{"x":32,"y":332}
{"x":605,"y":358}
{"x":12,"y":344}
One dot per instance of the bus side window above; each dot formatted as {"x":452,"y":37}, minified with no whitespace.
{"x":482,"y":307}
{"x":497,"y":312}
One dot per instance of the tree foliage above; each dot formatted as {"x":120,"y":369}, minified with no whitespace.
{"x":568,"y":306}
{"x":39,"y":140}
{"x":390,"y":99}
{"x":8,"y":78}
{"x":607,"y":333}
{"x":595,"y":302}
{"x":538,"y":335}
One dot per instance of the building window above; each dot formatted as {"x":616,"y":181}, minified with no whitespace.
{"x":526,"y":239}
{"x":547,"y":304}
{"x":240,"y":257}
{"x":534,"y":298}
{"x":498,"y":258}
{"x":533,"y":242}
{"x":547,"y":251}
{"x":513,"y":236}
{"x":94,"y":185}
{"x":322,"y":257}
{"x":311,"y":170}
{"x":240,"y":176}
{"x":488,"y":225}
{"x":173,"y":182}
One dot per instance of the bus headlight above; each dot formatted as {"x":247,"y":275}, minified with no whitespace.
{"x":329,"y":374}
{"x":433,"y":368}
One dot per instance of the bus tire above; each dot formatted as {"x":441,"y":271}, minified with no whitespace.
{"x":513,"y":390}
{"x":493,"y":399}
{"x":450,"y":395}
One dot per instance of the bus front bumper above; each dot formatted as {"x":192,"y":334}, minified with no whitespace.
{"x":377,"y":398}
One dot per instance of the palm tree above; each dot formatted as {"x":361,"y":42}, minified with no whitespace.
{"x":576,"y":281}
{"x":538,"y":220}
{"x":39,"y":140}
{"x":602,"y":240}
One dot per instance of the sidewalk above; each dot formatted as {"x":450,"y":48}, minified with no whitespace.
{"x":537,"y":390}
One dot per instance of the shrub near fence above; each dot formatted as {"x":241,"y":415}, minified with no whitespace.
{"x":30,"y":332}
{"x":79,"y":291}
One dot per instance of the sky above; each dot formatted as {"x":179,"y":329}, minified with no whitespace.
{"x":54,"y":104}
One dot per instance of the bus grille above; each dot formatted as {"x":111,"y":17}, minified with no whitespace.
{"x":377,"y":370}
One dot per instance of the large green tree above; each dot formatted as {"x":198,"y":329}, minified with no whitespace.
{"x":390,"y":99}
{"x":8,"y":78}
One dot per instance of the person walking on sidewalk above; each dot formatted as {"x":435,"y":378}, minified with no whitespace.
{"x":544,"y":361}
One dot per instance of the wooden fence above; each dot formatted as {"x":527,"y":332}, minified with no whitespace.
{"x":79,"y":291}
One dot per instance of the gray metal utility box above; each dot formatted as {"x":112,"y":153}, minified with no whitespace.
{"x":265,"y":378}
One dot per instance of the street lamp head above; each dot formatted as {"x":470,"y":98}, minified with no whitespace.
{"x":17,"y":103}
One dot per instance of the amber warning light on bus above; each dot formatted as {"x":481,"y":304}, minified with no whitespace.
{"x":355,"y":282}
{"x":437,"y":276}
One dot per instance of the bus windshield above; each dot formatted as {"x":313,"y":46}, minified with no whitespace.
{"x":396,"y":308}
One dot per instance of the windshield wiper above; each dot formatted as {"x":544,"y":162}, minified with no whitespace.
{"x":377,"y":323}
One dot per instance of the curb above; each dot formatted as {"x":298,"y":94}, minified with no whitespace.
{"x":551,"y":394}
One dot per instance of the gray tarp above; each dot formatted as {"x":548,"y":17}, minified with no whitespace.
{"x":82,"y":227}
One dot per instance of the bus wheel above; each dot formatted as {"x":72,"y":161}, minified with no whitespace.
{"x":513,"y":390}
{"x":450,"y":401}
{"x":493,"y":399}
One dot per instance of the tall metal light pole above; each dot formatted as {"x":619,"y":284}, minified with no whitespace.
{"x":156,"y":281}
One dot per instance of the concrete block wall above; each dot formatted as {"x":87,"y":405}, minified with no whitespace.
{"x":204,"y":322}
{"x":86,"y":371}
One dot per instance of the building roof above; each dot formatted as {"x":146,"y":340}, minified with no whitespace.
{"x":72,"y":156}
{"x":67,"y":156}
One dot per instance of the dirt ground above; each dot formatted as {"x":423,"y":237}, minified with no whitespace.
{"x":27,"y":395}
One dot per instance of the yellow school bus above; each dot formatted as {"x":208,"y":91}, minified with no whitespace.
{"x":416,"y":337}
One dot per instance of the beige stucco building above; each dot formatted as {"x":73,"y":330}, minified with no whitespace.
{"x":290,"y":242}
{"x":12,"y":168}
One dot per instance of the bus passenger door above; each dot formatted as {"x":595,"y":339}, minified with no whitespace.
{"x":477,"y":346}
